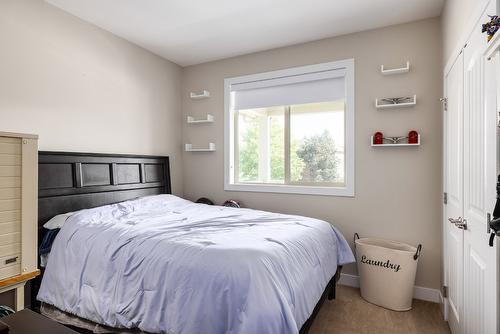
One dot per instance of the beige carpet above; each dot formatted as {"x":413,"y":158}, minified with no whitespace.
{"x":350,"y":313}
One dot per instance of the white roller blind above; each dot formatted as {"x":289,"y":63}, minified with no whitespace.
{"x":296,"y":89}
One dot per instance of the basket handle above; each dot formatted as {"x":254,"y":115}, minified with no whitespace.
{"x":356,"y":236}
{"x":417,"y":253}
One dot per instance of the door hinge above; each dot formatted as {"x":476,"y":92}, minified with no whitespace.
{"x":444,"y":101}
{"x":445,"y":198}
{"x":444,"y":291}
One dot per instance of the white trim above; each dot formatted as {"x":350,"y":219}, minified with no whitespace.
{"x":349,"y":189}
{"x":419,"y":292}
{"x":428,"y":294}
{"x":444,"y":221}
{"x":349,"y":280}
{"x":444,"y":306}
{"x":290,"y":189}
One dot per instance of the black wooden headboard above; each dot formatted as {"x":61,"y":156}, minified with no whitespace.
{"x":70,"y":181}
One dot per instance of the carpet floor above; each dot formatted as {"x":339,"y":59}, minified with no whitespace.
{"x":350,"y":313}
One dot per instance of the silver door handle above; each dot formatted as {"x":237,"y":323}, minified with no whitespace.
{"x":460,"y":222}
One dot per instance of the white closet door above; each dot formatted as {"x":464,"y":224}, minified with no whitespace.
{"x":480,"y":260}
{"x":454,"y":188}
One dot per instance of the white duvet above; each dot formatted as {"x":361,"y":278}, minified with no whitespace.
{"x":167,"y":265}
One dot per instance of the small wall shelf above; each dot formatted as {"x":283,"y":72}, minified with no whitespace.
{"x":189,"y":148}
{"x":199,"y":95}
{"x":192,"y":120}
{"x":381,"y":104}
{"x":395,"y":70}
{"x":394,"y":145}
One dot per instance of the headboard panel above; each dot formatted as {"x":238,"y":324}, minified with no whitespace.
{"x":70,"y":181}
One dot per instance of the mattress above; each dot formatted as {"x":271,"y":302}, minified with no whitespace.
{"x":163,"y":264}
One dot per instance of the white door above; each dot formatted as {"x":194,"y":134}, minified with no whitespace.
{"x":471,"y":265}
{"x":454,"y":188}
{"x":480,"y":260}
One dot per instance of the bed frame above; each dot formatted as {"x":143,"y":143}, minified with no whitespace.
{"x":69,"y":181}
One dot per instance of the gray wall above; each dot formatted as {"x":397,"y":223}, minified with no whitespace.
{"x":398,"y":190}
{"x":83,"y":89}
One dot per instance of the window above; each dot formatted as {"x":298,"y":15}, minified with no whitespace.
{"x":291,"y":131}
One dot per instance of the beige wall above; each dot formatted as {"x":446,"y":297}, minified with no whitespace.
{"x":398,"y":190}
{"x":456,"y":19}
{"x":83,"y":89}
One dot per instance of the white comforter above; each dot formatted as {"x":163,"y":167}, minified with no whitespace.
{"x":167,"y":265}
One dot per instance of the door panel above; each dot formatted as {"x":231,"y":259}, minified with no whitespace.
{"x":479,"y":305}
{"x":474,"y":303}
{"x":454,"y":189}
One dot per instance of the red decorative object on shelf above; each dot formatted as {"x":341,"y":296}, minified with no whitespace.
{"x":378,"y":138}
{"x":413,"y":137}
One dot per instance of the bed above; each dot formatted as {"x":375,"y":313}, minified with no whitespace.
{"x":138,"y":257}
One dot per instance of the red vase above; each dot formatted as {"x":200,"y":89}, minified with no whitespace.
{"x":413,"y":137}
{"x":378,"y":138}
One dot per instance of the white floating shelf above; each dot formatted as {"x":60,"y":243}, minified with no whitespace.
{"x":395,"y":105}
{"x":211,"y":148}
{"x":192,"y":120}
{"x":200,"y":95}
{"x":394,"y":145}
{"x":392,"y":71}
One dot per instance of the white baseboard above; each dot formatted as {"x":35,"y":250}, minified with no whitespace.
{"x":349,"y":280}
{"x":419,"y":292}
{"x":428,"y":294}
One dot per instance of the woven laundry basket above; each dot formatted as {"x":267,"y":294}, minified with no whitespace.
{"x":387,"y":271}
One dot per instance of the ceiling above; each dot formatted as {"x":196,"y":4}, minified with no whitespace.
{"x":189,"y":32}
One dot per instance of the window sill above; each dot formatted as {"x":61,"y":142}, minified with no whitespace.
{"x":292,"y":189}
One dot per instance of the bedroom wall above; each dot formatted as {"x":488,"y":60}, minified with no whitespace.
{"x":398,"y":190}
{"x":81,"y":88}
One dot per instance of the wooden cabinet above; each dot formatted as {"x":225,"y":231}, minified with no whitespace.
{"x":18,"y":211}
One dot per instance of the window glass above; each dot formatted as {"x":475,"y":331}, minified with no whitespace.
{"x":317,"y":142}
{"x":261,"y":142}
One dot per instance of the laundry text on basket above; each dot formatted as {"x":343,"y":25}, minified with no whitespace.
{"x":387,"y":264}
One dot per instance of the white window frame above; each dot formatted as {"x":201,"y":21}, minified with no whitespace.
{"x":348,"y":189}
